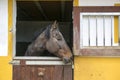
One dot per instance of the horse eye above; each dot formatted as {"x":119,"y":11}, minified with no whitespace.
{"x":56,"y":34}
{"x":59,"y":39}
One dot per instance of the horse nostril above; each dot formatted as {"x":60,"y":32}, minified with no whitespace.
{"x":66,"y":60}
{"x":71,"y":57}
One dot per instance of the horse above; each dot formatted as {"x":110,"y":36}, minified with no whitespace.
{"x":52,"y":40}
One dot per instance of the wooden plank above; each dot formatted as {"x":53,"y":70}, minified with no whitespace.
{"x":100,"y":52}
{"x":98,"y":8}
{"x":23,"y":72}
{"x":16,"y":72}
{"x":27,"y":73}
{"x":48,"y":73}
{"x":58,"y":73}
{"x":68,"y":73}
{"x":107,"y":28}
{"x":76,"y":30}
{"x":100,"y":31}
{"x":92,"y":29}
{"x":33,"y":73}
{"x":41,"y":72}
{"x":85,"y":31}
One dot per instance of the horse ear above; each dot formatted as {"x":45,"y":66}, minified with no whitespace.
{"x":55,"y":25}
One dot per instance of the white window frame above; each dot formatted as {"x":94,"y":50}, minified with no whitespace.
{"x":95,"y":14}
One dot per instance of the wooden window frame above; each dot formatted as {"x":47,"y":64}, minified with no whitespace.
{"x":76,"y":32}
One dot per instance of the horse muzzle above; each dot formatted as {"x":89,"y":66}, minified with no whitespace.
{"x":67,"y":60}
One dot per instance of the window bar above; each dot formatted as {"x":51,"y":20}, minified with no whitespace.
{"x":104,"y":30}
{"x":89,"y":30}
{"x":96,"y":32}
{"x":111,"y":31}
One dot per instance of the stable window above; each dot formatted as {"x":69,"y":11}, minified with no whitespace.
{"x":32,"y":16}
{"x":96,"y":30}
{"x":99,"y":29}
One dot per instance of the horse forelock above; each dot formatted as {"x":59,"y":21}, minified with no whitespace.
{"x":47,"y":32}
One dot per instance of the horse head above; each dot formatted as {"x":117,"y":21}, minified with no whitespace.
{"x":50,"y":39}
{"x":57,"y":44}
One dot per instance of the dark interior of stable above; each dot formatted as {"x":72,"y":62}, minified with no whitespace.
{"x":34,"y":15}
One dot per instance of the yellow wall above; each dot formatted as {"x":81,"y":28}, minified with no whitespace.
{"x":5,"y":67}
{"x":87,"y":68}
{"x":96,"y":68}
{"x":75,"y":2}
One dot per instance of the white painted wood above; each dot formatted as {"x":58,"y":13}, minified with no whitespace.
{"x":107,"y":28}
{"x":98,"y":2}
{"x":45,"y":63}
{"x":100,"y":13}
{"x":99,"y":27}
{"x":100,"y":37}
{"x":37,"y":58}
{"x":3,"y":27}
{"x":14,"y":26}
{"x":92,"y":31}
{"x":85,"y":31}
{"x":27,"y":62}
{"x":81,"y":30}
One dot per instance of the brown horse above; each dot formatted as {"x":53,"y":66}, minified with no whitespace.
{"x":52,"y":40}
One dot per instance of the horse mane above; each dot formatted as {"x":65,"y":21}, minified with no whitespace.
{"x":47,"y":32}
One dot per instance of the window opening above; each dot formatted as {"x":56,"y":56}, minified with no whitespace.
{"x":32,"y":16}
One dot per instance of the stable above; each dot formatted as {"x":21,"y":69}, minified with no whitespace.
{"x":90,"y":28}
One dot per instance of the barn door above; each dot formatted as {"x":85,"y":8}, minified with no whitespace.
{"x":40,"y":71}
{"x":96,"y":31}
